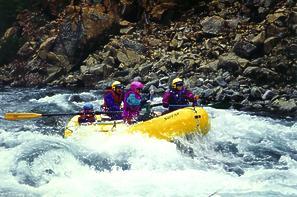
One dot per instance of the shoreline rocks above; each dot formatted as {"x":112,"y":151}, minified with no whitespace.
{"x":238,"y":53}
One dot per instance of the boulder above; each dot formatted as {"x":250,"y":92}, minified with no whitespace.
{"x":268,"y":95}
{"x":212,"y":25}
{"x":284,"y":105}
{"x":210,"y":67}
{"x":231,"y":62}
{"x":53,"y":73}
{"x":158,"y":12}
{"x":128,"y":57}
{"x":27,"y":49}
{"x":291,"y":50}
{"x":261,"y":75}
{"x":245,"y":49}
{"x":47,"y":44}
{"x":269,"y":43}
{"x":220,"y":81}
{"x":80,"y":29}
{"x":145,"y":69}
{"x":259,"y":39}
{"x":9,"y":32}
{"x":256,"y":93}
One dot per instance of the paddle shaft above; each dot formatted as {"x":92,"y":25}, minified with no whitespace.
{"x":24,"y":116}
{"x":80,"y":113}
{"x":181,"y":105}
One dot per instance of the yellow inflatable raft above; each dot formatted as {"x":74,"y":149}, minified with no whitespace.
{"x":174,"y":124}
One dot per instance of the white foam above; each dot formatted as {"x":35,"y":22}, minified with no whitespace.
{"x":158,"y":168}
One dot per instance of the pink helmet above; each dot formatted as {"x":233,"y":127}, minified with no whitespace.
{"x":136,"y":85}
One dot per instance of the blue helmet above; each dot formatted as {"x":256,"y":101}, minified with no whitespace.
{"x":88,"y":106}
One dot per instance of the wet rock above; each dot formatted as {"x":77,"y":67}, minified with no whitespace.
{"x":72,"y":80}
{"x":257,"y":106}
{"x":81,"y":98}
{"x":220,"y":95}
{"x":208,"y":93}
{"x":201,"y":53}
{"x":90,"y":80}
{"x":283,"y":105}
{"x":268,"y":95}
{"x":236,"y":97}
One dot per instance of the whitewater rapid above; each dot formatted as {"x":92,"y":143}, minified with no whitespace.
{"x":243,"y":155}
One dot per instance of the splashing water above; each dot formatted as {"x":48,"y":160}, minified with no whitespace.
{"x":243,"y":155}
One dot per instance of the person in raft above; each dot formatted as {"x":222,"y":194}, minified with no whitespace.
{"x":178,"y":96}
{"x":113,"y":98}
{"x":132,"y":102}
{"x":87,"y":114}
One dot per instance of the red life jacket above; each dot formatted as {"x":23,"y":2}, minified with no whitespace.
{"x":86,"y":116}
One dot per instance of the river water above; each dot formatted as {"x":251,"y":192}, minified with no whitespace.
{"x":243,"y":154}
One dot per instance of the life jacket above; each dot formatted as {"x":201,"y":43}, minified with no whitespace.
{"x":131,"y":112}
{"x":86,"y":116}
{"x":117,"y":98}
{"x":178,"y":98}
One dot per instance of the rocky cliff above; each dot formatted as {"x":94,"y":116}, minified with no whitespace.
{"x":240,"y":52}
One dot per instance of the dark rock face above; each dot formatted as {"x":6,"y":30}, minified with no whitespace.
{"x":242,"y":53}
{"x":62,"y":44}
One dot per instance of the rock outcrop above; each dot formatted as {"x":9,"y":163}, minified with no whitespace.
{"x":228,"y":51}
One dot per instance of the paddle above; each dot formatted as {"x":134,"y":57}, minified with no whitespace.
{"x":156,"y":104}
{"x":24,"y":116}
{"x":182,"y":105}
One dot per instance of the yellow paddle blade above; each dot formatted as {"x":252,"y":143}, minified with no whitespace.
{"x":21,"y":116}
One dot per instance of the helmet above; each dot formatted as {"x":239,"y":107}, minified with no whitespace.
{"x":116,"y":84}
{"x":88,"y":106}
{"x":136,"y":85}
{"x":177,"y":81}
